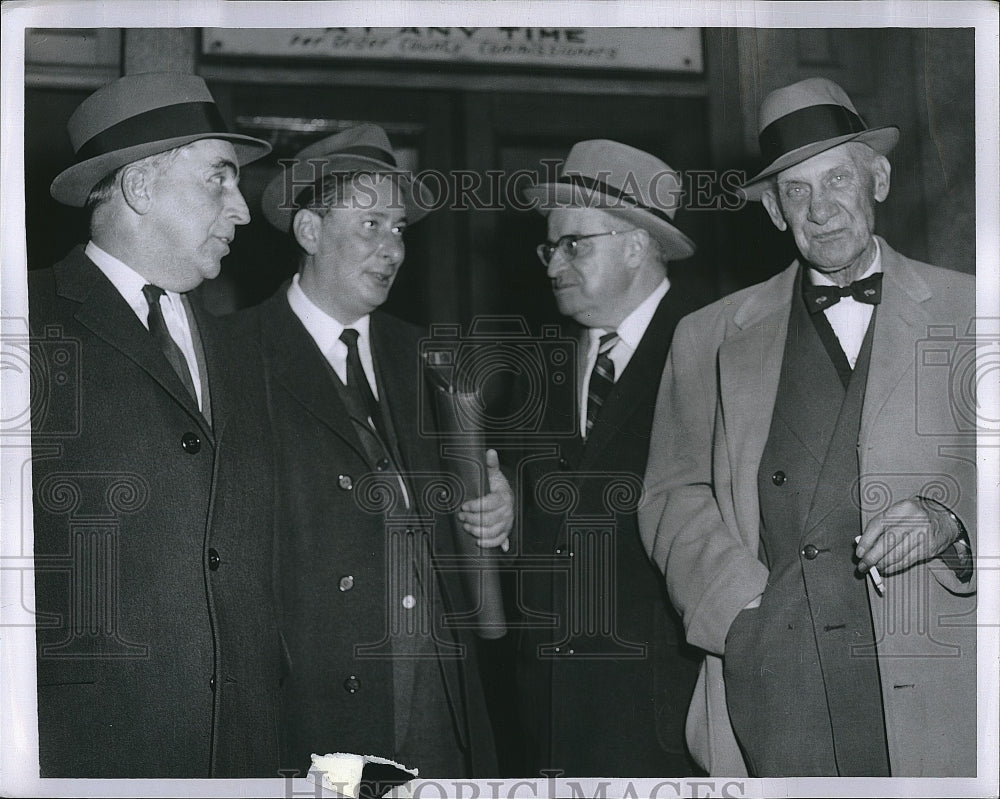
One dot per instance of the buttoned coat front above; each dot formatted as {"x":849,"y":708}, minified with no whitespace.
{"x":604,"y":673}
{"x":337,"y":520}
{"x":701,"y":519}
{"x":158,"y":647}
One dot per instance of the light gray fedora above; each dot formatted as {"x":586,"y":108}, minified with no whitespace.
{"x":623,"y":181}
{"x":137,"y":116}
{"x":363,"y":148}
{"x":805,"y":119}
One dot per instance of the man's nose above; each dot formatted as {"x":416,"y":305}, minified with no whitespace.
{"x":238,"y":210}
{"x":557,"y":263}
{"x":821,"y":208}
{"x":393,"y":248}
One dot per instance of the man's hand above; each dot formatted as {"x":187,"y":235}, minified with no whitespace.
{"x":489,"y":518}
{"x":907,"y":533}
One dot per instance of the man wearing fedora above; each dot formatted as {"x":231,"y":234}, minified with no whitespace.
{"x":604,"y":675}
{"x":158,"y":647}
{"x":362,"y":517}
{"x":811,"y":493}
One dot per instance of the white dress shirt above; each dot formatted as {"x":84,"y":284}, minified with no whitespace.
{"x":325,"y":331}
{"x":849,"y":318}
{"x":630,"y":333}
{"x":129,"y":284}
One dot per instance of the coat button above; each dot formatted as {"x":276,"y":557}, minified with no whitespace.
{"x":211,"y":683}
{"x":352,"y":684}
{"x":778,"y":478}
{"x":382,"y":465}
{"x":345,"y":482}
{"x":190,"y":443}
{"x":809,"y":552}
{"x":213,"y":559}
{"x":409,"y":602}
{"x":563,"y":464}
{"x":346,"y":583}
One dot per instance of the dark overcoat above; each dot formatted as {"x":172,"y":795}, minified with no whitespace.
{"x":335,"y":522}
{"x":158,"y":647}
{"x":603,"y":672}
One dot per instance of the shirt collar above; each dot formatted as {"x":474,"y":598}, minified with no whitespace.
{"x":817,"y":278}
{"x":633,"y":327}
{"x":324,"y":329}
{"x":128,"y":282}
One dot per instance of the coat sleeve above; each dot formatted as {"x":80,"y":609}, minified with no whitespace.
{"x":710,"y":571}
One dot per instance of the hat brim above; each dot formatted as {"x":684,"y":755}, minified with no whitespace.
{"x":280,"y":212}
{"x":549,"y":196}
{"x":72,"y":186}
{"x":881,"y":140}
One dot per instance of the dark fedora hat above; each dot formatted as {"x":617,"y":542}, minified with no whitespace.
{"x":805,"y":119}
{"x":137,"y":116}
{"x":361,"y":148}
{"x":622,"y":181}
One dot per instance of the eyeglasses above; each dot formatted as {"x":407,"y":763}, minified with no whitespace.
{"x":568,"y":245}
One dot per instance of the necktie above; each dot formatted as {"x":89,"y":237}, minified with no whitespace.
{"x":868,"y":291}
{"x":357,"y":381}
{"x":158,"y":329}
{"x":602,"y":378}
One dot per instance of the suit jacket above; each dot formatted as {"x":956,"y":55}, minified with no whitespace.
{"x":158,"y":646}
{"x":334,"y":530}
{"x":605,"y":676}
{"x":701,"y":521}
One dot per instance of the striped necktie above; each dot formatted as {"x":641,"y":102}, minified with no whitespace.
{"x":602,"y":378}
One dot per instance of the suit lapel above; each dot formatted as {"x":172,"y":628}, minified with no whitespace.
{"x":106,"y":314}
{"x":292,"y":357}
{"x":902,"y":318}
{"x":749,"y":367}
{"x":398,"y":376}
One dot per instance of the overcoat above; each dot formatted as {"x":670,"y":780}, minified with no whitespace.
{"x":335,"y":528}
{"x":604,"y":674}
{"x":158,"y":647}
{"x":701,"y":520}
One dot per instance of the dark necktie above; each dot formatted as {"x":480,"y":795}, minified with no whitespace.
{"x":868,"y":291}
{"x":357,"y":382}
{"x":602,"y":378}
{"x":158,"y":329}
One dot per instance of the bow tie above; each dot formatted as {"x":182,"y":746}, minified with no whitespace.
{"x":868,"y":291}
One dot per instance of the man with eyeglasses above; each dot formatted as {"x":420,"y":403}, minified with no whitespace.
{"x":604,"y":676}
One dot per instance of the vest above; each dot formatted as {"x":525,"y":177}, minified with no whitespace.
{"x":802,"y":680}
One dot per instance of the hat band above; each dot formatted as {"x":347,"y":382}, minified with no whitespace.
{"x":808,"y":125}
{"x":611,"y":191}
{"x":308,"y":196}
{"x":157,"y":124}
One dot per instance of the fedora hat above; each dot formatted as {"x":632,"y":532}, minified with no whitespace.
{"x":137,"y":116}
{"x":623,"y":181}
{"x":805,"y":119}
{"x":362,"y":148}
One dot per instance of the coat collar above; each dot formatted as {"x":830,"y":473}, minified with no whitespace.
{"x":106,"y":314}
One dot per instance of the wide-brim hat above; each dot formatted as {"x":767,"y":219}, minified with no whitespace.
{"x":137,"y":116}
{"x":805,"y":119}
{"x":622,"y":181}
{"x":363,"y":148}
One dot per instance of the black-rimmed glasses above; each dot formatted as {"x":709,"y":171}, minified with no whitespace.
{"x":567,"y":245}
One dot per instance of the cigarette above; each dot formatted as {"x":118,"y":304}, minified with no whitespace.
{"x":873,"y":573}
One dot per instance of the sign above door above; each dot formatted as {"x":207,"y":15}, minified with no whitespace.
{"x":646,"y":49}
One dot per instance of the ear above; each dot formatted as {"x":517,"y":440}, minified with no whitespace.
{"x":881,"y":172}
{"x":637,"y":243}
{"x":306,"y":226}
{"x":137,"y":185}
{"x":770,"y":200}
